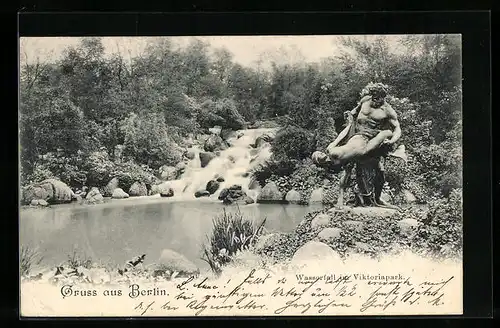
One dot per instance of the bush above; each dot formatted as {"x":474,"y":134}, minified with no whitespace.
{"x":441,"y":233}
{"x":147,"y":141}
{"x":128,"y":173}
{"x":61,"y":166}
{"x":99,"y":168}
{"x":231,"y":233}
{"x":221,"y":112}
{"x":292,"y":143}
{"x":28,"y":257}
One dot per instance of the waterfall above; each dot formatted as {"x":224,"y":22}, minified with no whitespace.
{"x":232,"y":165}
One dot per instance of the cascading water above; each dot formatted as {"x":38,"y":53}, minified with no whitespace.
{"x":233,"y":165}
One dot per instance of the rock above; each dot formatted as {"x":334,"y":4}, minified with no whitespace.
{"x":409,"y":197}
{"x":316,"y":196}
{"x":329,"y":234}
{"x":408,"y":227}
{"x":249,"y":200}
{"x":233,"y":194}
{"x":270,"y":194}
{"x":52,"y":191}
{"x":39,"y":202}
{"x":320,"y":220}
{"x":223,"y":194}
{"x":220,"y":179}
{"x":214,"y":143}
{"x":189,"y":154}
{"x":314,"y":252}
{"x":215,"y":130}
{"x":155,"y":189}
{"x":164,"y":189}
{"x":118,"y":193}
{"x":212,"y":186}
{"x":385,"y":197}
{"x":94,"y":196}
{"x":110,"y":187}
{"x":168,"y":173}
{"x":180,"y":168}
{"x":239,"y":134}
{"x":175,"y":262}
{"x":261,"y":140}
{"x":138,"y":189}
{"x":201,"y":193}
{"x":293,"y":197}
{"x":227,"y":134}
{"x":205,"y":158}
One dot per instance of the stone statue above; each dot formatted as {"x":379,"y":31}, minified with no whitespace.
{"x":370,"y":135}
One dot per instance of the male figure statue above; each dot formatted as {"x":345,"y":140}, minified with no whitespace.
{"x":372,"y":128}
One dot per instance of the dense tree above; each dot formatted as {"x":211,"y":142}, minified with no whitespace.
{"x":151,"y":102}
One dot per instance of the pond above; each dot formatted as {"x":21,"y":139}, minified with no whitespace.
{"x":118,"y":230}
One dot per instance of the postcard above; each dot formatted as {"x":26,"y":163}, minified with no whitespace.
{"x":300,"y":175}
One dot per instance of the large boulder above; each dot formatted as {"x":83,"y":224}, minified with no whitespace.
{"x":168,"y":173}
{"x":118,"y":193}
{"x":138,"y":189}
{"x":320,"y":220}
{"x":329,"y":234}
{"x":293,"y":197}
{"x":110,"y":187}
{"x":94,"y":196}
{"x":206,"y":157}
{"x":39,"y":202}
{"x":165,"y":190}
{"x":314,"y":252}
{"x":270,"y":194}
{"x":52,"y":191}
{"x":214,"y":143}
{"x":212,"y":186}
{"x":174,"y":262}
{"x":201,"y":193}
{"x":316,"y":196}
{"x":408,"y":227}
{"x":263,"y":139}
{"x":234,"y":194}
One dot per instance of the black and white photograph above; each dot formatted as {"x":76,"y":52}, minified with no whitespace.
{"x":276,"y":175}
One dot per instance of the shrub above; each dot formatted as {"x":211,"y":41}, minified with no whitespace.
{"x":129,"y":172}
{"x":221,"y":112}
{"x":292,"y":143}
{"x":28,"y":257}
{"x":147,"y":141}
{"x":231,"y":233}
{"x":99,"y":168}
{"x":59,"y":165}
{"x":441,"y":233}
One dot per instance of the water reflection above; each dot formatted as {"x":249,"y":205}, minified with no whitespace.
{"x":114,"y":234}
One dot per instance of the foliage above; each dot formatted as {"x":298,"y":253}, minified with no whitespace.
{"x":76,"y":260}
{"x":28,"y":257}
{"x":441,"y":233}
{"x":292,"y":143}
{"x":151,"y":103}
{"x":231,"y":233}
{"x":147,"y":141}
{"x":221,"y":112}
